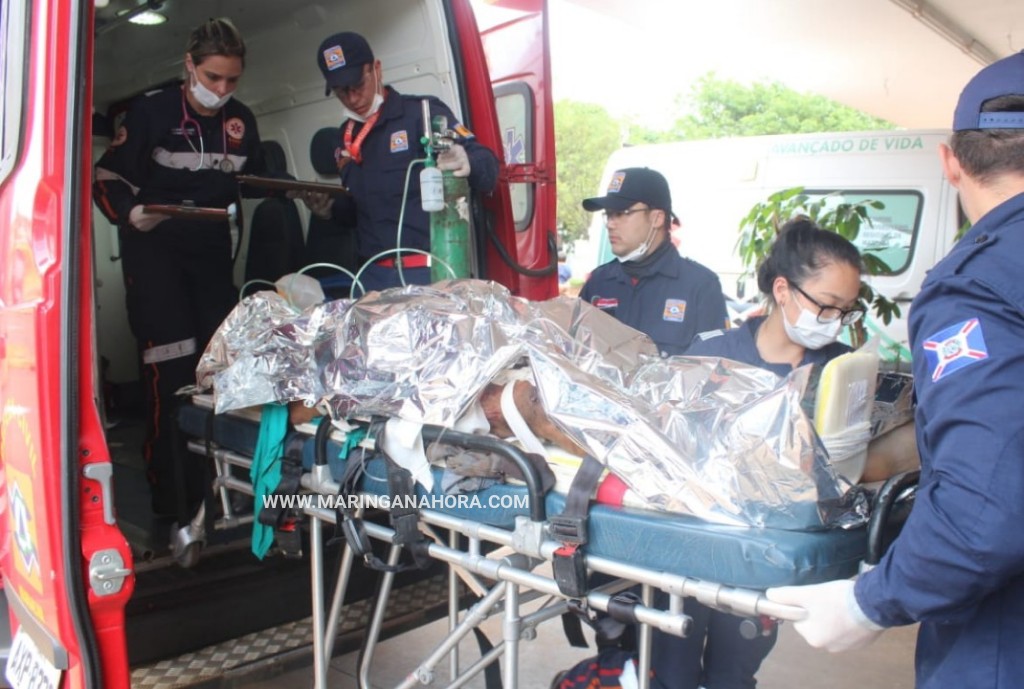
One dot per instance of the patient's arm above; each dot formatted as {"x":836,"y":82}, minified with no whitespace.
{"x":891,"y":454}
{"x":299,"y":413}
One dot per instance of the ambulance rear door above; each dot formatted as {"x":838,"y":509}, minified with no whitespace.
{"x":66,"y":568}
{"x":515,"y":40}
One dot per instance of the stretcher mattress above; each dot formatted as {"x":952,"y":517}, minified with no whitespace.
{"x":661,"y":542}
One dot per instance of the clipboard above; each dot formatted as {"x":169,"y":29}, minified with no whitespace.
{"x":189,"y":212}
{"x":291,"y":185}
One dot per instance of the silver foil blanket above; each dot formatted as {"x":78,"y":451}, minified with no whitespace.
{"x":723,"y":441}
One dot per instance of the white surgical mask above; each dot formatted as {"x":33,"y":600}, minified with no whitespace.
{"x":205,"y":97}
{"x":378,"y":100}
{"x":808,"y":332}
{"x":639,"y":252}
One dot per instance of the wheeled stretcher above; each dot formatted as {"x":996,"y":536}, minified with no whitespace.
{"x":502,"y":546}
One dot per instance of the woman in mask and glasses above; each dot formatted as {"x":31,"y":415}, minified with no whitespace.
{"x":179,"y":146}
{"x":811,"y":280}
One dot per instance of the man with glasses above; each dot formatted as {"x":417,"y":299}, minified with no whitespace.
{"x":649,"y":286}
{"x":380,"y":137}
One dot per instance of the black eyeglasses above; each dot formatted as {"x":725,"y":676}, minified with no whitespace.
{"x":354,"y":88}
{"x":616,"y":215}
{"x":828,"y":314}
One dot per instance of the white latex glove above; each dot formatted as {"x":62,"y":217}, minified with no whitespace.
{"x":143,"y":221}
{"x":454,"y":159}
{"x":318,"y":203}
{"x":834,"y":619}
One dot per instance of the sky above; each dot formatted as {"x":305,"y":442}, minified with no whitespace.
{"x":596,"y":59}
{"x":635,"y":57}
{"x":638,"y":67}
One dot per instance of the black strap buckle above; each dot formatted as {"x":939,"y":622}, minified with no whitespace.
{"x":289,"y":539}
{"x":569,"y":530}
{"x":569,"y":566}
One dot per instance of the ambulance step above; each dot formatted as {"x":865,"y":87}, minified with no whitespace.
{"x":289,"y":646}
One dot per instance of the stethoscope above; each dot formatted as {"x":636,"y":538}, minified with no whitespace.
{"x":186,"y":120}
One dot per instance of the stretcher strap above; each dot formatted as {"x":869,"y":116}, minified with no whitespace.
{"x":570,"y":527}
{"x":492,"y":673}
{"x":405,"y":519}
{"x":284,"y":521}
{"x":611,"y":629}
{"x":404,"y":515}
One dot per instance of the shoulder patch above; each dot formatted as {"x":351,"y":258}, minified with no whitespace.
{"x":605,"y":302}
{"x":954,"y":348}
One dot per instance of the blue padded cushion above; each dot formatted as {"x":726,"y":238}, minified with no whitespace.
{"x":678,"y":544}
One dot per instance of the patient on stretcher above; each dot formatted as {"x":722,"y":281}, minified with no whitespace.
{"x":723,"y":441}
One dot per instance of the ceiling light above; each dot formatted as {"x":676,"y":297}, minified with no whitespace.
{"x":145,"y":18}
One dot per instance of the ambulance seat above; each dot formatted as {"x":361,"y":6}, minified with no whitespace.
{"x":276,"y":246}
{"x":328,"y":241}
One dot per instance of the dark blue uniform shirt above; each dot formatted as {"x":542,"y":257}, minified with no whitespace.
{"x":958,"y":565}
{"x":671,"y":301}
{"x":378,"y":181}
{"x":155,"y":156}
{"x":740,"y":344}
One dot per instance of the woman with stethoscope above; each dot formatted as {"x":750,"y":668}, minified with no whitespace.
{"x":181,"y":145}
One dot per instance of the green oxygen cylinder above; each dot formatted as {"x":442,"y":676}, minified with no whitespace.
{"x":449,"y":227}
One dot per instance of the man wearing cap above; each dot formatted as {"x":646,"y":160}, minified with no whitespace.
{"x":649,"y":286}
{"x":380,"y":137}
{"x":958,"y":565}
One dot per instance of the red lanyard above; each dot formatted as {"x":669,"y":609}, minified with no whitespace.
{"x":353,"y":149}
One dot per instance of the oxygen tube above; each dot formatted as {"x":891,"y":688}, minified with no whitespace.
{"x":446,"y":198}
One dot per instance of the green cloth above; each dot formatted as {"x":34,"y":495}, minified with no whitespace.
{"x":352,"y":439}
{"x":265,"y":472}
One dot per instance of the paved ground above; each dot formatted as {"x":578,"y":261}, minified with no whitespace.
{"x":888,"y":663}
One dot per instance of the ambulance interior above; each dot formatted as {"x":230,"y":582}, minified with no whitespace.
{"x":175,"y":609}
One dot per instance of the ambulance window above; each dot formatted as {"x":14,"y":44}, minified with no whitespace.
{"x":514,"y":104}
{"x":13,"y":33}
{"x":892,"y":233}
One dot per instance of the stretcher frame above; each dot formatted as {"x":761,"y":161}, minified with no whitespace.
{"x":512,"y":567}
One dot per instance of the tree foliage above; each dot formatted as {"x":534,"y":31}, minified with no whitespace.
{"x":722,"y":107}
{"x":585,"y":135}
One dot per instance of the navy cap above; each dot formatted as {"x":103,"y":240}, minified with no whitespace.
{"x":633,"y":185}
{"x":1002,"y":78}
{"x":341,"y":58}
